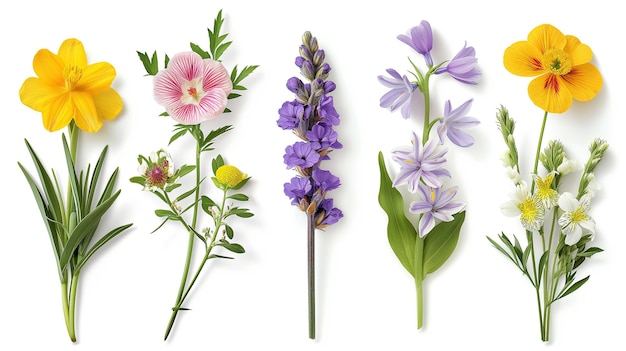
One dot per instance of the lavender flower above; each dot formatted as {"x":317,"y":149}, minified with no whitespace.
{"x":322,"y":137}
{"x":300,"y":154}
{"x":421,"y":164}
{"x":297,"y":189}
{"x":325,"y":181}
{"x":463,"y":67}
{"x":453,"y":121}
{"x":290,"y":115}
{"x":401,"y":92}
{"x":420,"y":38}
{"x":327,"y":214}
{"x":436,"y":203}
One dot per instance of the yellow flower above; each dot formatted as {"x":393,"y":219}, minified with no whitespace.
{"x":67,"y":88}
{"x":562,"y":64}
{"x":229,"y":176}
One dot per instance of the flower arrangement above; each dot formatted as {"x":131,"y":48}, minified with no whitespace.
{"x":423,"y":249}
{"x":311,"y":116}
{"x":194,"y":87}
{"x":71,"y":93}
{"x":557,"y":222}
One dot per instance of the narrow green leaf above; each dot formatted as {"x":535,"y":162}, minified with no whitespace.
{"x":543,"y":261}
{"x":238,"y":197}
{"x":185,"y":194}
{"x":53,"y":201}
{"x":400,"y":231}
{"x":441,"y":242}
{"x":106,"y":238}
{"x":236,"y":248}
{"x":499,"y":248}
{"x":222,"y":48}
{"x":590,"y":252}
{"x":73,"y":180}
{"x":84,"y":227}
{"x":184,"y":170}
{"x":178,"y":135}
{"x":573,"y":288}
{"x":217,"y":163}
{"x":220,"y":256}
{"x":245,"y":72}
{"x":195,"y":48}
{"x":165,"y":213}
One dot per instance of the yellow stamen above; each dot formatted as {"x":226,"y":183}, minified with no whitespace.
{"x":71,"y":75}
{"x":557,"y":61}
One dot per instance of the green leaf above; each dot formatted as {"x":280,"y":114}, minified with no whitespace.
{"x":220,"y":256}
{"x":185,"y":195}
{"x":217,"y":163}
{"x":229,"y":231}
{"x":195,"y":48}
{"x":138,"y":180}
{"x":400,"y":231}
{"x":499,"y":248}
{"x":73,"y":180}
{"x":239,"y":212}
{"x":207,"y":203}
{"x":84,"y":227}
{"x":222,"y":48}
{"x":209,"y":140}
{"x":236,"y":248}
{"x":441,"y":242}
{"x":590,"y":252}
{"x":151,"y":65}
{"x":106,"y":238}
{"x":238,"y":78}
{"x":573,"y":288}
{"x":239,"y":197}
{"x":184,"y":170}
{"x":178,"y":135}
{"x":165,"y":213}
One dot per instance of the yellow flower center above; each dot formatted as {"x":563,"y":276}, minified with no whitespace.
{"x":579,"y":215}
{"x":192,"y":91}
{"x":229,"y":175}
{"x":529,"y":209}
{"x":71,"y":75}
{"x":557,"y":61}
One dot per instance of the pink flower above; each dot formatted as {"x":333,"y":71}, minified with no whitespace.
{"x":192,"y":89}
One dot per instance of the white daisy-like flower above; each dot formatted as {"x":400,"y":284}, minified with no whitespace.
{"x":575,"y":221}
{"x":526,"y":206}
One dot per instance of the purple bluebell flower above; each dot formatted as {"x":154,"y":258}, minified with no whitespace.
{"x":453,"y":121}
{"x":421,"y":164}
{"x":463,"y":67}
{"x":325,"y":180}
{"x":300,"y":154}
{"x":401,"y":93}
{"x":436,"y":203}
{"x":290,"y":115}
{"x":327,"y":214}
{"x":420,"y":38}
{"x":323,"y":136}
{"x":297,"y":189}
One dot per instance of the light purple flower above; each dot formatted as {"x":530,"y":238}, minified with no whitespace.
{"x":323,"y":136}
{"x":420,"y":38}
{"x":463,"y":67}
{"x":419,"y":164}
{"x":290,"y":115}
{"x":326,"y":110}
{"x":436,"y":203}
{"x":327,"y":214}
{"x":297,"y":189}
{"x":453,"y":121}
{"x":401,"y":93}
{"x":300,"y":154}
{"x":325,"y":180}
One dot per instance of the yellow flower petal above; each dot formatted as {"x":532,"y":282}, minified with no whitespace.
{"x":86,"y":114}
{"x":584,"y":82}
{"x":550,"y":93}
{"x":96,"y":77}
{"x":579,"y":53}
{"x":48,"y":67}
{"x":72,"y":53}
{"x":523,"y":59}
{"x":108,"y":104}
{"x":58,"y":113}
{"x":545,"y":37}
{"x":36,"y":94}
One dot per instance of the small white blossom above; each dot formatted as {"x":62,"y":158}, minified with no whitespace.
{"x":575,"y":221}
{"x":567,"y":166}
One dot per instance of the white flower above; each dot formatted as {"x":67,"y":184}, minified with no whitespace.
{"x":526,"y":206}
{"x":567,"y":166}
{"x":513,"y":175}
{"x":575,"y":221}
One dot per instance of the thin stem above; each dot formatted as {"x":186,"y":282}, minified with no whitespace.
{"x":72,"y":310}
{"x":543,"y":128}
{"x":66,"y":310}
{"x":418,"y":267}
{"x":311,"y":272}
{"x":426,"y":91}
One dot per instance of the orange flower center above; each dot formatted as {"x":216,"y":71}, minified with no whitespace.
{"x":192,"y":91}
{"x":557,"y":61}
{"x":71,"y":75}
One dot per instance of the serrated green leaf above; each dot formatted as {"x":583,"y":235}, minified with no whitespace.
{"x":198,"y":50}
{"x":151,"y":65}
{"x":400,"y":231}
{"x":222,"y":48}
{"x":238,"y":78}
{"x":441,"y":242}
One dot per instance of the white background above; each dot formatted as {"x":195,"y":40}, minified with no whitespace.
{"x":366,"y":300}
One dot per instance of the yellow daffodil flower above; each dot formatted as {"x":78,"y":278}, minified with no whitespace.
{"x":562,"y":64}
{"x":67,"y":88}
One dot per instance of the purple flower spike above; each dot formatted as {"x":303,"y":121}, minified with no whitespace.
{"x":297,"y":189}
{"x":417,"y":165}
{"x":420,"y":38}
{"x":300,"y":154}
{"x":327,"y":214}
{"x":291,"y":113}
{"x":323,"y":136}
{"x":453,"y":121}
{"x":401,"y":93}
{"x":463,"y":67}
{"x":436,"y":204}
{"x":325,"y":180}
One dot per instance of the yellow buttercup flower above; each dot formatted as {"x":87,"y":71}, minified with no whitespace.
{"x":562,"y":64}
{"x":67,"y":88}
{"x":229,"y":176}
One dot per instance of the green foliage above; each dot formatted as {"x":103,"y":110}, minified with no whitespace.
{"x":441,"y":242}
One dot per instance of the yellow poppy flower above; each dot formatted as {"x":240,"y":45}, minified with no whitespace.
{"x":562,"y":64}
{"x":67,"y":88}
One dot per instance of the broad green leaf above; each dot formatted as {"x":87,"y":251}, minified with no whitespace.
{"x":229,"y":231}
{"x":138,"y":180}
{"x":236,"y":248}
{"x":110,"y":235}
{"x":441,"y":242}
{"x":400,"y":231}
{"x":207,"y":203}
{"x":239,"y":197}
{"x":84,"y":227}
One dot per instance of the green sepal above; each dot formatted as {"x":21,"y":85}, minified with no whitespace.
{"x":441,"y":242}
{"x":400,"y":232}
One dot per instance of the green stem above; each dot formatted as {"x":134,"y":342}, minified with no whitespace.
{"x":66,"y":310}
{"x":543,"y":128}
{"x":190,"y":242}
{"x":72,"y":309}
{"x":311,"y":272}
{"x":426,"y":91}
{"x":418,"y":266}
